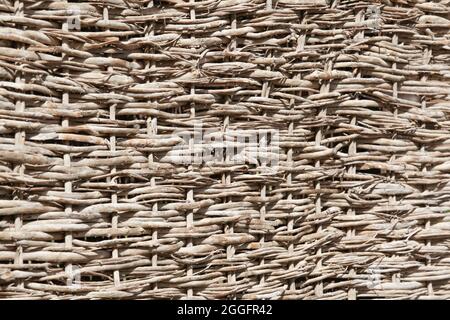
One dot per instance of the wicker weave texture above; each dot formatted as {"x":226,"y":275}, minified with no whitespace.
{"x":95,"y":205}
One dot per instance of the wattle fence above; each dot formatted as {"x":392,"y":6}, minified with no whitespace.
{"x":235,"y":149}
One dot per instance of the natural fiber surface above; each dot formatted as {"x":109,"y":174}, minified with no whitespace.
{"x":93,"y":205}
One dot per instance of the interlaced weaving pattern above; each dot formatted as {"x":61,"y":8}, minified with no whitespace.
{"x":95,"y":203}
